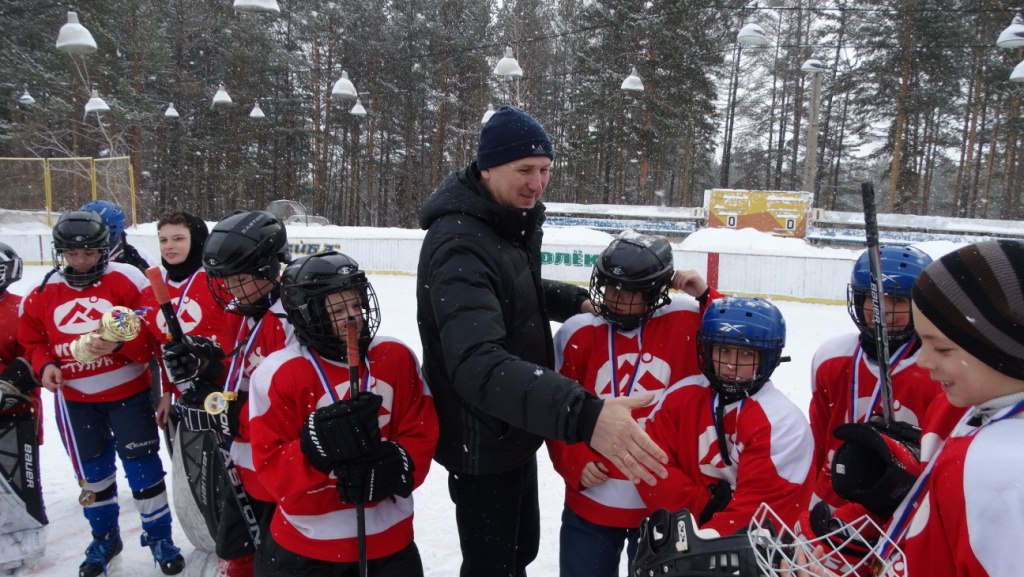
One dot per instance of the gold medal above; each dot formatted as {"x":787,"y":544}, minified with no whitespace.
{"x":217,"y":402}
{"x":86,"y":497}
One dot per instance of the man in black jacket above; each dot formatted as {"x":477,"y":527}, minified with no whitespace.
{"x":484,"y":318}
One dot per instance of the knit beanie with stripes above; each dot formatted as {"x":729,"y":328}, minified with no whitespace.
{"x":975,"y":296}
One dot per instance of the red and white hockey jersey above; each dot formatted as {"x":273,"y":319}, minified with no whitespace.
{"x":253,"y":340}
{"x":10,"y":349}
{"x":54,"y":317}
{"x":968,"y":518}
{"x":769,"y":446}
{"x":197,"y":312}
{"x":311,"y":519}
{"x":648,"y":360}
{"x":835,"y":382}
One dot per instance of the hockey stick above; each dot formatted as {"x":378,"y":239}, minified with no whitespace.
{"x":163,"y":298}
{"x":867,"y":191}
{"x":353,"y":381}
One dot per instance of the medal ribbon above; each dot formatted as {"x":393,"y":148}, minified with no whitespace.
{"x":68,"y":434}
{"x":896,"y":358}
{"x":615,"y":361}
{"x":234,"y":379}
{"x":322,"y":375}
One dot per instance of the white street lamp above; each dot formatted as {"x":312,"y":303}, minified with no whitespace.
{"x":221,"y":99}
{"x":487,"y":114}
{"x":171,"y":112}
{"x":257,"y":6}
{"x":344,"y":88}
{"x":814,"y":67}
{"x":508,"y":65}
{"x":358,"y":109}
{"x":96,"y":104}
{"x":633,"y":82}
{"x":26,"y":98}
{"x":751,"y":36}
{"x":257,"y":112}
{"x":75,"y":38}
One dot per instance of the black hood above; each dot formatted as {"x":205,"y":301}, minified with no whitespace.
{"x":463,"y":193}
{"x":197,"y":232}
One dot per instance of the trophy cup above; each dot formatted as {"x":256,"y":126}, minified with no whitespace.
{"x":118,"y":325}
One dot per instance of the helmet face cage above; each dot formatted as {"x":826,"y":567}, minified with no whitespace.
{"x":638,"y":264}
{"x":253,"y":243}
{"x":80,"y":230}
{"x":112,"y":216}
{"x":744,"y":323}
{"x":306,"y":285}
{"x":774,"y":543}
{"x":253,"y":301}
{"x":901,"y":266}
{"x":11,"y":267}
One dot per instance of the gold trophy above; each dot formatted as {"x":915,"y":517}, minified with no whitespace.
{"x":118,"y":325}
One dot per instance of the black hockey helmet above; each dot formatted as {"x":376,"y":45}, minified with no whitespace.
{"x":253,"y":243}
{"x":671,"y":545}
{"x":305,"y":286}
{"x":10,"y":267}
{"x":750,"y":323}
{"x":79,"y":230}
{"x":637,"y":263}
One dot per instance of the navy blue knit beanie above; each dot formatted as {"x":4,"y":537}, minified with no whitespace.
{"x":509,"y":135}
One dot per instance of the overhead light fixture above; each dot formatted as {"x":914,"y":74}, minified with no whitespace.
{"x":1012,"y":37}
{"x":26,"y":98}
{"x":752,"y":36}
{"x":257,"y":6}
{"x":257,"y":112}
{"x":358,"y":109}
{"x":221,"y":99}
{"x":96,"y":104}
{"x":508,"y":66}
{"x":633,"y":82}
{"x":75,"y":38}
{"x":1018,"y":73}
{"x":487,"y":114}
{"x":171,"y":112}
{"x":344,"y":88}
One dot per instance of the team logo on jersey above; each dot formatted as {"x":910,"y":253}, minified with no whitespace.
{"x":710,"y":456}
{"x":190,"y":315}
{"x":81,"y":315}
{"x":653,"y":374}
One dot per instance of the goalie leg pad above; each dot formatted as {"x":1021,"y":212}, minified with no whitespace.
{"x":21,"y":494}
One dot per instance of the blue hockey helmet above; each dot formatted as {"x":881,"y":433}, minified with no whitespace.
{"x":112,"y":216}
{"x":747,"y":323}
{"x":901,"y":266}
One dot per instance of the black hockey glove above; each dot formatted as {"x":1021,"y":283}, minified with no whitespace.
{"x":341,"y":431}
{"x":873,"y":469}
{"x":16,"y":382}
{"x":386,"y":471}
{"x":721,"y":494}
{"x":193,"y":359}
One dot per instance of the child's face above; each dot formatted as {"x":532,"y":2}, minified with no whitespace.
{"x":736,"y":364}
{"x":175,"y":242}
{"x":340,"y":306}
{"x":623,"y":302}
{"x":897,"y":312}
{"x":965,"y":380}
{"x":247,"y":288}
{"x":81,"y":260}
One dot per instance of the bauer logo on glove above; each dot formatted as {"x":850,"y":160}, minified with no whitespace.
{"x":118,"y":325}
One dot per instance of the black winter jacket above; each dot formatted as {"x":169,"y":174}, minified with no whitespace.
{"x":483,"y":313}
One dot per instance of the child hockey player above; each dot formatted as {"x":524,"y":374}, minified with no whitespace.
{"x":120,"y":249}
{"x":243,"y":257}
{"x":22,"y":535}
{"x":197,"y":474}
{"x":104,"y":404}
{"x":846,"y":367}
{"x":733,"y":440}
{"x":319,"y":450}
{"x":965,"y":512}
{"x":641,"y":341}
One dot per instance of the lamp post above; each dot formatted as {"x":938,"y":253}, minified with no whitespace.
{"x":814,"y":67}
{"x":508,"y":68}
{"x":750,"y":36}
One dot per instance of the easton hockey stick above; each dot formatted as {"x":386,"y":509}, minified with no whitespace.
{"x":163,"y":298}
{"x":353,"y":381}
{"x":867,"y":192}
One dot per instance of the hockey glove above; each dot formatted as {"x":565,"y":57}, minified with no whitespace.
{"x":341,"y":431}
{"x":846,"y":533}
{"x":193,"y":359}
{"x":197,"y":419}
{"x":873,"y":469}
{"x":386,"y":471}
{"x":721,"y":494}
{"x":16,"y":382}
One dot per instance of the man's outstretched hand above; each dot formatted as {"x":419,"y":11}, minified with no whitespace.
{"x":623,"y":441}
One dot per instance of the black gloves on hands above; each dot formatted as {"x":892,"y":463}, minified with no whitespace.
{"x":341,"y":431}
{"x":386,"y":471}
{"x":193,"y":359}
{"x":721,"y":494}
{"x":16,"y":382}
{"x":873,"y":469}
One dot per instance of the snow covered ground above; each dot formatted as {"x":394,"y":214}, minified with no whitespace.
{"x":436,"y":535}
